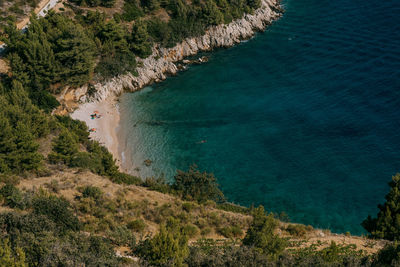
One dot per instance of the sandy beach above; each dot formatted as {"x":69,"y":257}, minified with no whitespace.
{"x":106,"y":127}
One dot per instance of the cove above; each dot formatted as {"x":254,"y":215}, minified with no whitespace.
{"x":303,"y":118}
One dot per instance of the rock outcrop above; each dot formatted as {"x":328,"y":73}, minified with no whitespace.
{"x":162,"y":61}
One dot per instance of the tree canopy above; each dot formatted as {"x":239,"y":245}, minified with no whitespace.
{"x":387,"y":223}
{"x":197,"y":185}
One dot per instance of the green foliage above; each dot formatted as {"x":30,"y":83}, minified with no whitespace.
{"x":132,"y":10}
{"x":54,"y":49}
{"x":56,"y":209}
{"x":196,"y":185}
{"x":387,"y":223}
{"x":136,"y":225}
{"x":92,"y":192}
{"x":64,"y":146}
{"x":227,"y":206}
{"x":168,"y":247}
{"x":157,"y":184}
{"x":190,"y":230}
{"x":94,"y":3}
{"x":12,"y":196}
{"x":388,"y":256}
{"x":79,"y":128}
{"x":112,"y":39}
{"x":261,"y":236}
{"x":96,"y":159}
{"x":45,"y":245}
{"x":21,"y":123}
{"x":231,"y":231}
{"x":298,"y":230}
{"x":11,"y":258}
{"x":332,"y":255}
{"x":140,"y":39}
{"x":121,"y":236}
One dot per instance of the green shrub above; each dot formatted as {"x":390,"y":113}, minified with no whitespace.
{"x":205,"y":231}
{"x":388,"y":256}
{"x":56,"y":209}
{"x":13,"y":197}
{"x":136,"y":225}
{"x":157,"y":184}
{"x":231,"y":231}
{"x":132,"y":10}
{"x":196,"y":185}
{"x":190,"y":230}
{"x":227,"y":206}
{"x":11,"y":257}
{"x":261,"y":236}
{"x":188,"y":206}
{"x":121,"y":236}
{"x":92,"y":192}
{"x":298,"y":230}
{"x":168,"y":247}
{"x":387,"y":223}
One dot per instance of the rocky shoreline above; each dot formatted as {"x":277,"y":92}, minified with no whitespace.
{"x":81,"y":102}
{"x":163,"y":61}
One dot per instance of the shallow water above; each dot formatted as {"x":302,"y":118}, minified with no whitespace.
{"x":304,"y":118}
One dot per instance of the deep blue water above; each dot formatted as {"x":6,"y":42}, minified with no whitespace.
{"x":304,"y":118}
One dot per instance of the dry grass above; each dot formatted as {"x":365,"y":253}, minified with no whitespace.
{"x":136,"y":202}
{"x":3,"y":66}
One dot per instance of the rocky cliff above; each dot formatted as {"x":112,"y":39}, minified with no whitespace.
{"x":163,"y":61}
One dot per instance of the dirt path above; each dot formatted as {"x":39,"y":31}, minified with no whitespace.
{"x":41,"y":10}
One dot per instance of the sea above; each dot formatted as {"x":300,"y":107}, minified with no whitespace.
{"x":304,"y":118}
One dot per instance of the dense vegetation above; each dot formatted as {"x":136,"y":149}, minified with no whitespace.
{"x":75,"y":47}
{"x":387,"y":223}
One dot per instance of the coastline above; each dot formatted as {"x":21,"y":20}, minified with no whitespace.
{"x":155,"y":68}
{"x":106,"y":127}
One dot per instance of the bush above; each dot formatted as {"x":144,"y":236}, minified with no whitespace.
{"x":231,"y":231}
{"x":298,"y":230}
{"x":168,"y":247}
{"x":387,"y":223}
{"x":190,"y":230}
{"x":196,"y":185}
{"x":388,"y":256}
{"x":123,"y":178}
{"x":121,"y":236}
{"x":157,"y":184}
{"x":92,"y":192}
{"x":227,"y":206}
{"x":261,"y":236}
{"x":13,"y":197}
{"x":56,"y":209}
{"x":136,"y":225}
{"x":188,"y":206}
{"x":10,"y":257}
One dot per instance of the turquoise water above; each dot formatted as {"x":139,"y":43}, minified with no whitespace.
{"x":304,"y":118}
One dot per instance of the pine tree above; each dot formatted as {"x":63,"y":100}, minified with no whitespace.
{"x":167,"y":248}
{"x":73,"y":49}
{"x":261,"y":234}
{"x":387,"y":223}
{"x":66,"y":144}
{"x":7,"y":145}
{"x":140,"y":41}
